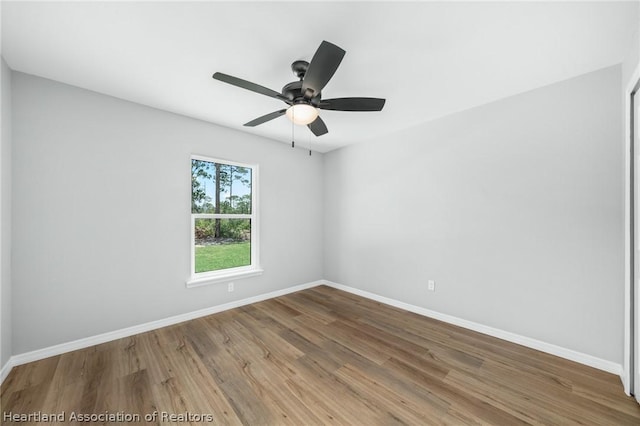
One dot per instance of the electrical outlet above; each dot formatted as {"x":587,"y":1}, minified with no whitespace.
{"x":230,"y":287}
{"x":431,"y":285}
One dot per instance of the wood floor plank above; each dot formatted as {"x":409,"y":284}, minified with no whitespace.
{"x":314,"y":357}
{"x":32,"y":374}
{"x":188,"y":367}
{"x":319,"y":386}
{"x":398,"y":408}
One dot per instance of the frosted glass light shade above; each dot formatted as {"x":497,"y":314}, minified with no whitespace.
{"x":302,"y":114}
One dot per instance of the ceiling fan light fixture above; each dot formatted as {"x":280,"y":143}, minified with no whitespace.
{"x":302,"y":114}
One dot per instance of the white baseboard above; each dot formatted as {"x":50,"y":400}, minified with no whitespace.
{"x":591,"y":361}
{"x":142,"y":328}
{"x":6,"y":369}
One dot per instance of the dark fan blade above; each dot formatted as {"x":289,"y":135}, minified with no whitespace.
{"x":247,"y":85}
{"x":265,"y":118}
{"x":318,"y":127}
{"x":352,"y":104}
{"x":321,"y":68}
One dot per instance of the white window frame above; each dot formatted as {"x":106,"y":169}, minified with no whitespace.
{"x":224,"y":275}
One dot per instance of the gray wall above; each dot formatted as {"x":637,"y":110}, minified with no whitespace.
{"x":5,"y":217}
{"x":101,"y":202}
{"x":514,"y":208}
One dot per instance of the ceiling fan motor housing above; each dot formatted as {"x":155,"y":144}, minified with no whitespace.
{"x":293,"y":92}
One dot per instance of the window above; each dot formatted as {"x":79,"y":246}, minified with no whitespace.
{"x":224,"y":223}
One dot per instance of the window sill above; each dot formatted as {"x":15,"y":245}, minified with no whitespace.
{"x":225,"y":277}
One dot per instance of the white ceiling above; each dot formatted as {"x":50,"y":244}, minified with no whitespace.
{"x":428,"y":59}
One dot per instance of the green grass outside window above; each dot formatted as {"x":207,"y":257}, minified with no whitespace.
{"x":223,"y":256}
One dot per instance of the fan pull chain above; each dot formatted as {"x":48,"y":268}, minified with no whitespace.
{"x":293,"y":142}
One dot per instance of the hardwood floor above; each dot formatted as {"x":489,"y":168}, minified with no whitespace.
{"x":318,"y":356}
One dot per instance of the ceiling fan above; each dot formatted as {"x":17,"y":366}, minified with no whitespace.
{"x":304,"y":97}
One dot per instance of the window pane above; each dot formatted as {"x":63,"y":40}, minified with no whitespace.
{"x":222,"y":244}
{"x":220,"y":188}
{"x":237,"y":194}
